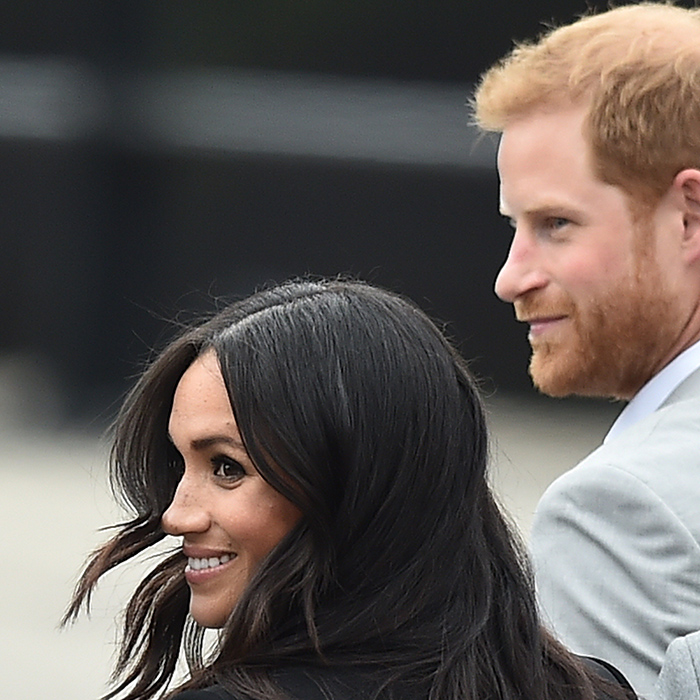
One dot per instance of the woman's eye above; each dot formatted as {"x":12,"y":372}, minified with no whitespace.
{"x":227,"y":468}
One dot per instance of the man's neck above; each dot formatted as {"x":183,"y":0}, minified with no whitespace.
{"x":655,"y":392}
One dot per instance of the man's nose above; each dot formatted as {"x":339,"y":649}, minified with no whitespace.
{"x":521,"y":272}
{"x":187,"y":512}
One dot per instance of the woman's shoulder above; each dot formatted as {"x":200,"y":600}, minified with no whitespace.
{"x":214,"y":693}
{"x":611,"y":675}
{"x":307,"y":683}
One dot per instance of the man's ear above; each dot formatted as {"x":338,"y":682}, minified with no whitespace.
{"x":687,"y":184}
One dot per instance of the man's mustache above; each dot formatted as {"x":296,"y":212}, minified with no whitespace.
{"x":534,"y":307}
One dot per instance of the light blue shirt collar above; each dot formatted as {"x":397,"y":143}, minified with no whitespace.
{"x":657,"y":390}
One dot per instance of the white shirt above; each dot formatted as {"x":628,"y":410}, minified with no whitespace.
{"x":657,"y":390}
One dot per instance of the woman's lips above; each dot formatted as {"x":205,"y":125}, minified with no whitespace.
{"x":197,"y":564}
{"x":204,"y":564}
{"x":200,"y":570}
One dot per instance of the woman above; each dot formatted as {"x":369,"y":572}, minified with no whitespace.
{"x":321,"y":450}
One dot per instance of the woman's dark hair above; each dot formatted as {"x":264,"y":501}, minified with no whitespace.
{"x":351,"y":403}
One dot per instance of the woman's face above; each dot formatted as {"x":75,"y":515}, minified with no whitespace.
{"x":228,"y":515}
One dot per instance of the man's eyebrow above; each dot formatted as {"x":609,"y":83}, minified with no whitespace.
{"x":545,"y":208}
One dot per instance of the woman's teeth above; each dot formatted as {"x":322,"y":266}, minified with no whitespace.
{"x":207,"y":563}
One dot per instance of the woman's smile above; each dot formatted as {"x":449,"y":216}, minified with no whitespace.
{"x":203,"y":569}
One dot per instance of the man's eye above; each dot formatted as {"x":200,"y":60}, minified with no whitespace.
{"x":227,"y":468}
{"x":557,"y":222}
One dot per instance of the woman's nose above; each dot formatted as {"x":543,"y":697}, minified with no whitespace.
{"x":187,"y":512}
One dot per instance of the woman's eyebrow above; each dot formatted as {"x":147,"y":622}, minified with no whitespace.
{"x":204,"y":442}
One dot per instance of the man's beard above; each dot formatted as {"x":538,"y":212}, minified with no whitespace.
{"x":612,"y":345}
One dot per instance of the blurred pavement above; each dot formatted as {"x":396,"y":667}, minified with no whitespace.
{"x":54,"y":498}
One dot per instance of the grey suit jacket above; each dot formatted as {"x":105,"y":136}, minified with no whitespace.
{"x":616,"y":542}
{"x":680,"y":675}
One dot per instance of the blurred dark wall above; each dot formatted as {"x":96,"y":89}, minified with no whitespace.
{"x":95,"y":286}
{"x":411,"y":39}
{"x":107,"y":237}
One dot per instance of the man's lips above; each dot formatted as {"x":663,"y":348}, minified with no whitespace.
{"x":542,"y":324}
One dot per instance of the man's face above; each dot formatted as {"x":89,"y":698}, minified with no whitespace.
{"x":587,"y":278}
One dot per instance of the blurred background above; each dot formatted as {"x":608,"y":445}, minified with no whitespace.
{"x":158,"y":156}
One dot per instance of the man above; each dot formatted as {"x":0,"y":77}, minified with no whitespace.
{"x":599,"y":164}
{"x":680,"y":675}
